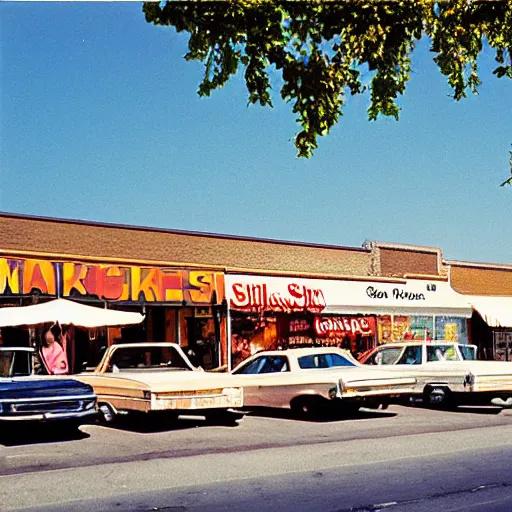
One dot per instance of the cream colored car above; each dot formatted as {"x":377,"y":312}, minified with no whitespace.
{"x":447,"y":372}
{"x":152,"y":377}
{"x":310,"y":380}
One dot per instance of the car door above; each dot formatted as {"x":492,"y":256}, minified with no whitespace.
{"x":262,"y":379}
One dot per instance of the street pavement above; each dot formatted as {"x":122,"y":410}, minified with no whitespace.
{"x":402,"y":459}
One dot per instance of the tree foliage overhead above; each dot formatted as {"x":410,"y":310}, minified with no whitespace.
{"x":509,"y":180}
{"x":324,"y":49}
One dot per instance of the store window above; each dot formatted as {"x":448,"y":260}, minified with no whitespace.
{"x":404,"y":328}
{"x":502,"y":345}
{"x":251,"y":333}
{"x":451,"y":329}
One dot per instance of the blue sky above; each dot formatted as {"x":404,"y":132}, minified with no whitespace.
{"x":101,"y":121}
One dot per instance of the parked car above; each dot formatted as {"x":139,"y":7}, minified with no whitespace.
{"x":309,"y":380}
{"x":447,"y":372}
{"x":419,"y":352}
{"x":27,"y":397}
{"x":158,"y":377}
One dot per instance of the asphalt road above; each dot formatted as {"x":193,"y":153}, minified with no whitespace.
{"x":403,"y":459}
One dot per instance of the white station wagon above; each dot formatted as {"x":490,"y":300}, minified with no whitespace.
{"x":446,"y":372}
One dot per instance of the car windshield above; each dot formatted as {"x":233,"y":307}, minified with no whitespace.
{"x":140,"y":358}
{"x":314,"y":361}
{"x":15,"y":363}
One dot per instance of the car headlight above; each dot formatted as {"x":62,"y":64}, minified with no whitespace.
{"x":89,"y":404}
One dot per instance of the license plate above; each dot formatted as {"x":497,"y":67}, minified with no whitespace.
{"x":196,"y":403}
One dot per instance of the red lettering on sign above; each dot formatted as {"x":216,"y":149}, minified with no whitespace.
{"x":332,"y":327}
{"x":256,"y":297}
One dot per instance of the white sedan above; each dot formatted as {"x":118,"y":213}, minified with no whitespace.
{"x":310,"y":379}
{"x":158,"y":377}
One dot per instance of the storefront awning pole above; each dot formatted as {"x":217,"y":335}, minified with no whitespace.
{"x":228,"y":335}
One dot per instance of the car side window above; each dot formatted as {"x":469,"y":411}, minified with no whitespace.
{"x":275,"y":364}
{"x":265,"y":364}
{"x":411,"y":355}
{"x":315,"y":361}
{"x":385,"y":356}
{"x":435,"y":354}
{"x":337,"y":360}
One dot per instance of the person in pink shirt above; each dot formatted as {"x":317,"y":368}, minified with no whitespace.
{"x":53,"y":355}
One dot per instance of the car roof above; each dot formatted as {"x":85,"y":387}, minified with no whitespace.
{"x":417,"y":343}
{"x":21,"y":349}
{"x":145,"y":344}
{"x":298,"y":352}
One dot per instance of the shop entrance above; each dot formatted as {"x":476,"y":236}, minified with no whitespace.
{"x":201,"y":342}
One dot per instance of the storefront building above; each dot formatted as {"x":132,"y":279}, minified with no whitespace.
{"x":180,"y":305}
{"x":270,"y":312}
{"x":488,"y":288}
{"x":176,"y":278}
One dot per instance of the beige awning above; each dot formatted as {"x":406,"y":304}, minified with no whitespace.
{"x":66,"y":312}
{"x":496,"y":311}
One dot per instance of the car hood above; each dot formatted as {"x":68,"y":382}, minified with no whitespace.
{"x":34,"y":387}
{"x":162,"y":380}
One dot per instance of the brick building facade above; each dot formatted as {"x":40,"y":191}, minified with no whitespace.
{"x":98,"y":249}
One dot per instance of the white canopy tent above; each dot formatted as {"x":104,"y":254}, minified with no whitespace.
{"x":496,"y":311}
{"x":66,"y":312}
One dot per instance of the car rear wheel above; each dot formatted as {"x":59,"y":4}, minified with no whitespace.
{"x":438,"y":396}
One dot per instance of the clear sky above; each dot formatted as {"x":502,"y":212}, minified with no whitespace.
{"x":101,"y":121}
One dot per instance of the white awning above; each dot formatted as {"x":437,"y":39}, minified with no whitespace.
{"x":410,"y":297}
{"x":66,"y":312}
{"x":496,"y":311}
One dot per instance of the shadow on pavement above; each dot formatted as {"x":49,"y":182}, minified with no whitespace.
{"x":39,"y":433}
{"x":471,"y":409}
{"x":488,"y":410}
{"x":149,"y":424}
{"x":331,"y":416}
